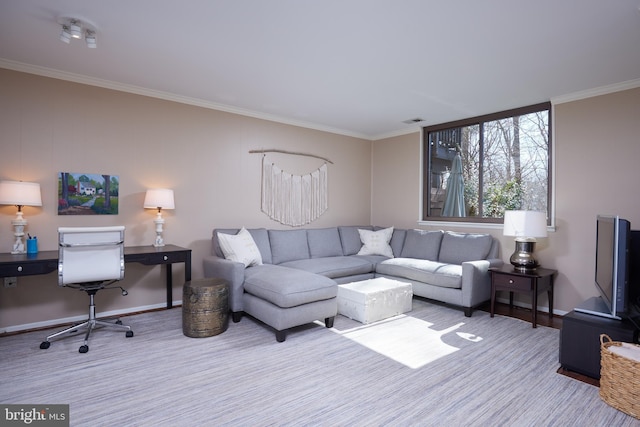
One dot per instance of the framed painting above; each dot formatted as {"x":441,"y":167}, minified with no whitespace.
{"x":87,"y":194}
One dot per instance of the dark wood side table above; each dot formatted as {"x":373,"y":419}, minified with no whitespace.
{"x":507,"y":278}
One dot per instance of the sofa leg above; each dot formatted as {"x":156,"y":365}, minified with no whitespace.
{"x":467,"y":311}
{"x":236,"y":316}
{"x":328,"y":321}
{"x":281,"y":336}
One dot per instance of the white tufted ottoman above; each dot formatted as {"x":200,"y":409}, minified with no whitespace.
{"x":374,"y":299}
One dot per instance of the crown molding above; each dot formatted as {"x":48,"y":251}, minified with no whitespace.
{"x":413,"y":129}
{"x":167,"y":96}
{"x":590,"y":93}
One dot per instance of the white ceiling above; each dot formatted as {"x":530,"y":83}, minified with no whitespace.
{"x":356,"y":67}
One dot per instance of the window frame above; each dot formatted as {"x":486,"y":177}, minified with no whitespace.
{"x":425,"y":202}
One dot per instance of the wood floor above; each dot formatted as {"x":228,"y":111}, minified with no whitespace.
{"x":524,"y":314}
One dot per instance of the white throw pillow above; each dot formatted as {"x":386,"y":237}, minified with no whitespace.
{"x":240,"y":248}
{"x":376,"y":242}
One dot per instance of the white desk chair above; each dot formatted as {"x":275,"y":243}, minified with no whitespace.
{"x":90,"y":259}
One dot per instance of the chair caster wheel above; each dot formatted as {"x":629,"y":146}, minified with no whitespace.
{"x":83,"y":348}
{"x":129,"y":334}
{"x":45,"y":345}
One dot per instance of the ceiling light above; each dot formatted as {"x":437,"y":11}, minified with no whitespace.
{"x":76,"y":29}
{"x":73,"y":28}
{"x":65,"y":35}
{"x":90,"y":38}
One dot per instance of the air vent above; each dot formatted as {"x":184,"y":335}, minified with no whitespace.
{"x":413,"y":121}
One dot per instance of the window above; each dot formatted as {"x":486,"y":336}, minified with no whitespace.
{"x":477,"y":168}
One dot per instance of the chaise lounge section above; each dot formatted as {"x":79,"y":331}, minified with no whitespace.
{"x":287,"y":278}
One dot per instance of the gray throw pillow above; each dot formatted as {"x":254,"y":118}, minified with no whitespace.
{"x":457,"y":248}
{"x":422,"y":244}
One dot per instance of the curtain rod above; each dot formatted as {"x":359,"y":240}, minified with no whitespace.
{"x":290,"y":152}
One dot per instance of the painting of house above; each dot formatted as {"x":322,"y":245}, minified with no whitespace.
{"x":86,"y":189}
{"x":87,"y":194}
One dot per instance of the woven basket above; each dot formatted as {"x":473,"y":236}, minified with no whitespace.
{"x":619,"y":378}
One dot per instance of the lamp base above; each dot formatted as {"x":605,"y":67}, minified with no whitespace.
{"x":159,"y":221}
{"x":523,"y":259}
{"x":18,"y":224}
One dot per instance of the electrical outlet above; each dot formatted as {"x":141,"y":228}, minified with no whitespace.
{"x":10,"y":282}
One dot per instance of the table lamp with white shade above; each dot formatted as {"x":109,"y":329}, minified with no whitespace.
{"x":159,"y":198}
{"x":20,"y":194}
{"x":526,"y":226}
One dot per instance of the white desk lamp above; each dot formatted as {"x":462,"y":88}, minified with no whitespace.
{"x":159,"y":198}
{"x":526,"y":226}
{"x":20,"y":194}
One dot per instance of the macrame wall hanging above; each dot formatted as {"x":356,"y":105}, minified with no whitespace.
{"x":290,"y":199}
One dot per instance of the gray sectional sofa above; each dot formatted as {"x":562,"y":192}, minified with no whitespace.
{"x":293,"y":276}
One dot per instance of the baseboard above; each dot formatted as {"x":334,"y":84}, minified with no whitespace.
{"x":579,"y":377}
{"x":556,"y":312}
{"x":66,"y":320}
{"x":122,"y":312}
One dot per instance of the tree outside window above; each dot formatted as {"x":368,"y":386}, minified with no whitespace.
{"x":505,"y":165}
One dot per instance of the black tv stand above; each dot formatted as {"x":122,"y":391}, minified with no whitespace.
{"x":597,"y":307}
{"x":580,"y":340}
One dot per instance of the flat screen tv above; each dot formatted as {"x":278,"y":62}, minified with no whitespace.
{"x":613,"y":241}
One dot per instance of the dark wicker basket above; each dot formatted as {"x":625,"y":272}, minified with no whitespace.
{"x":619,"y":378}
{"x":205,"y":307}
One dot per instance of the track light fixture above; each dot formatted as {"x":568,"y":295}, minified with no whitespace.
{"x":73,"y":28}
{"x":90,"y":38}
{"x":65,"y":35}
{"x":76,"y":29}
